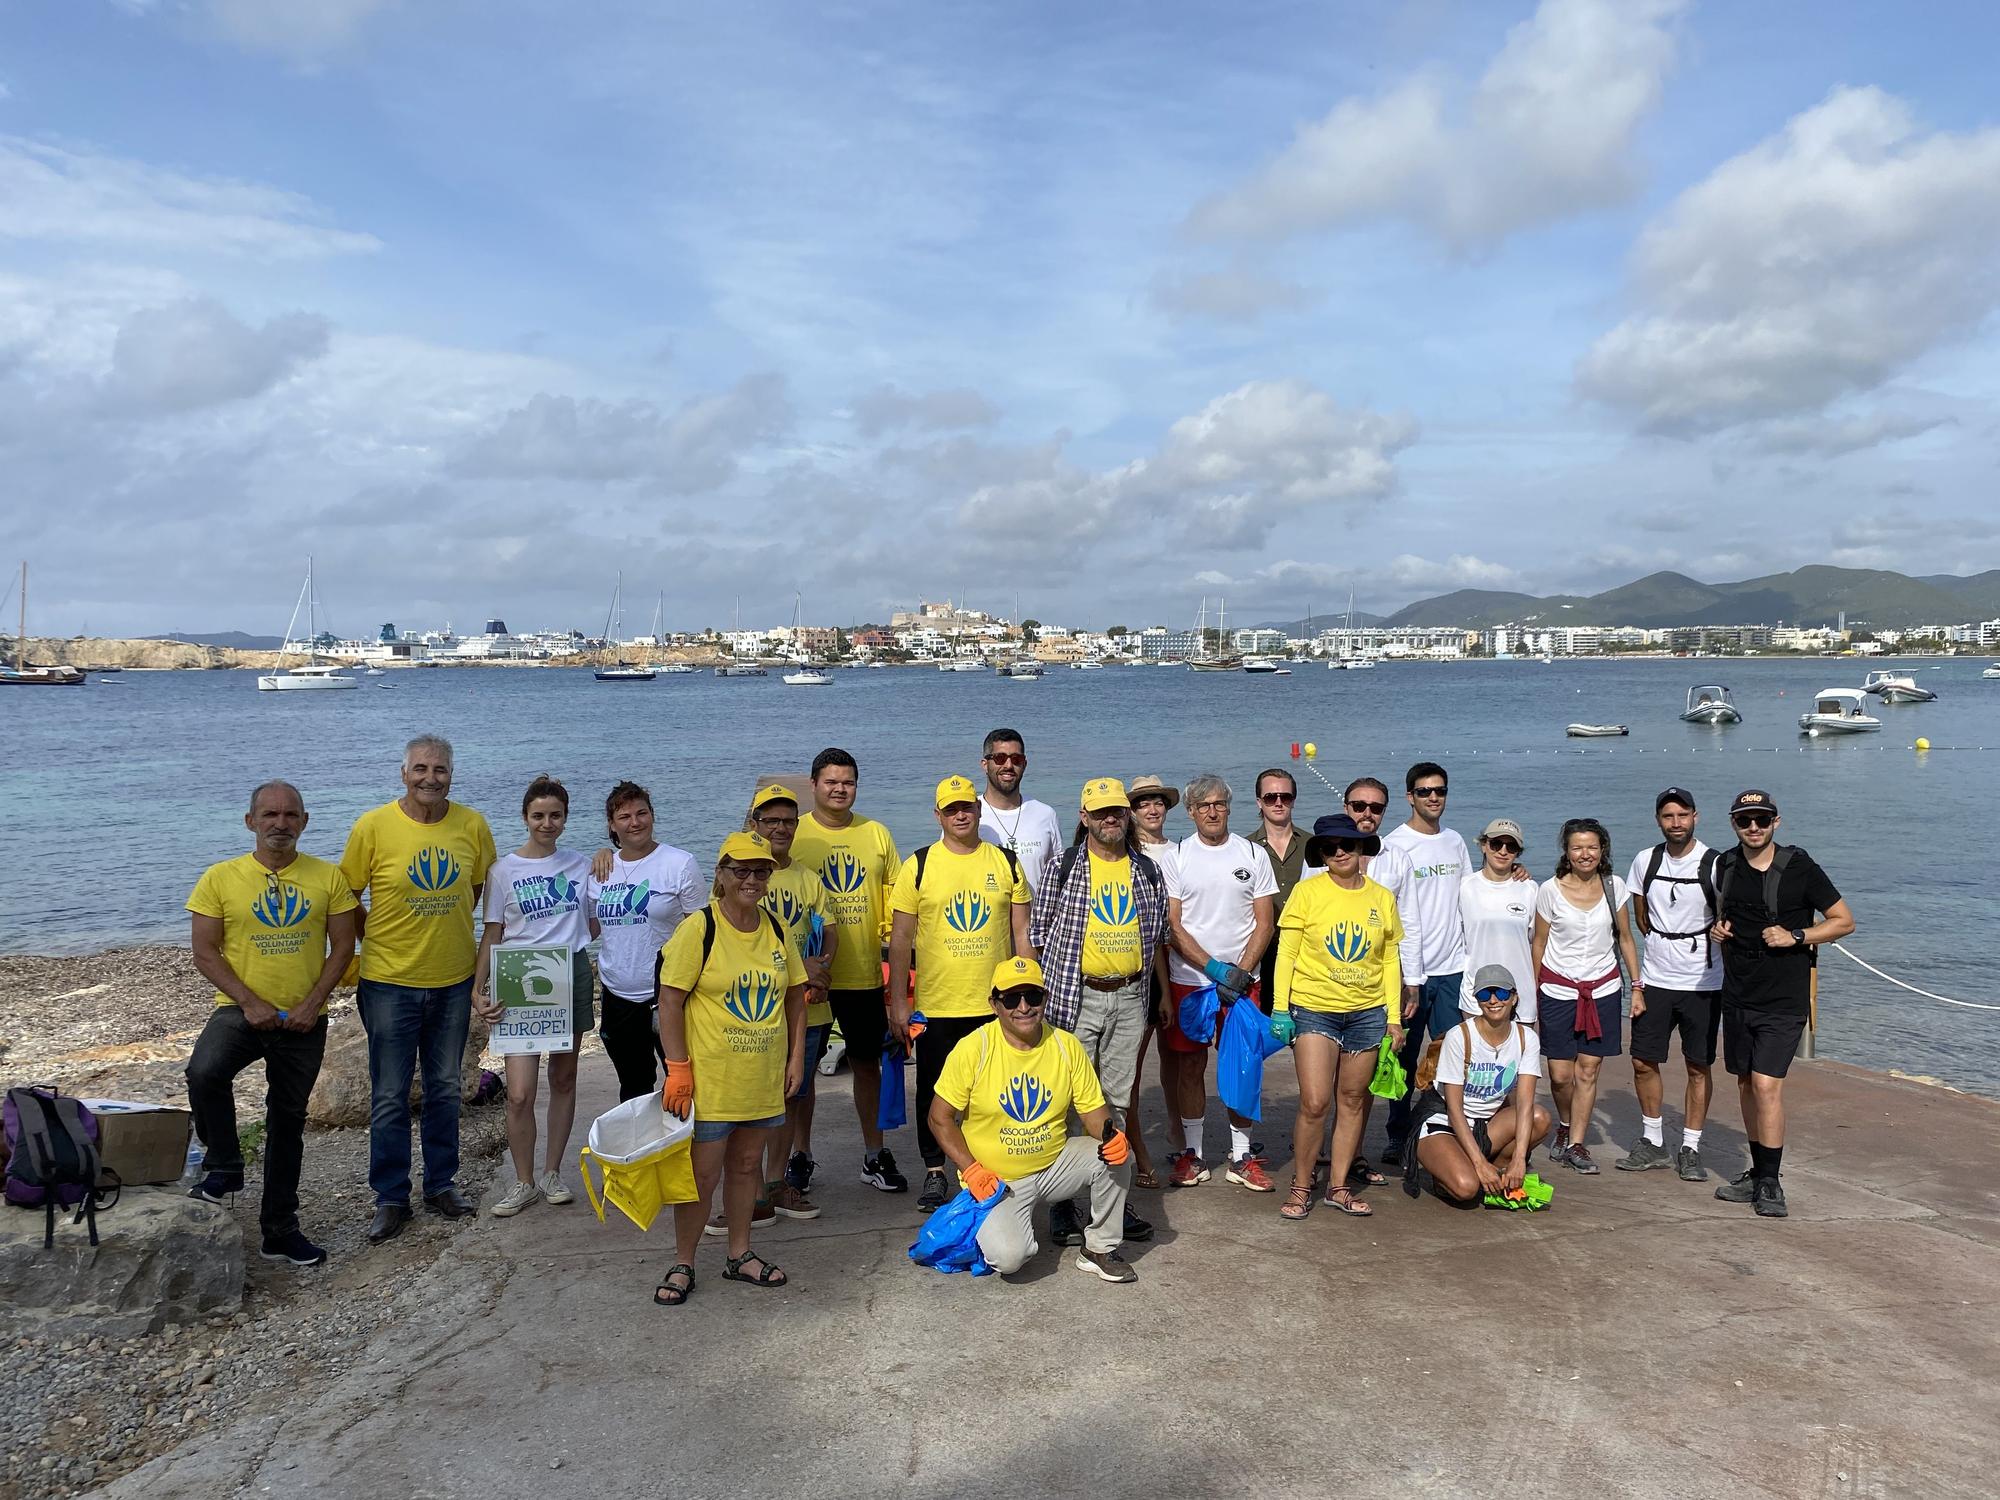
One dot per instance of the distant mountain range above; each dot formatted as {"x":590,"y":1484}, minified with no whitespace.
{"x":1871,"y":599}
{"x":1314,"y":624}
{"x":236,"y":640}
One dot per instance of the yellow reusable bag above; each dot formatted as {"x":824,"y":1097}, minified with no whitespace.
{"x":644,"y":1156}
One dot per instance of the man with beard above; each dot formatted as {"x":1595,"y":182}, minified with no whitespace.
{"x":1023,"y":826}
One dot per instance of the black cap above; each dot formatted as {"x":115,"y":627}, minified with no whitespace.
{"x":1678,"y":794}
{"x":1752,"y":801}
{"x":1338,"y":826}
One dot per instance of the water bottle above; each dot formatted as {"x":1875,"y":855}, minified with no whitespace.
{"x":191,"y":1173}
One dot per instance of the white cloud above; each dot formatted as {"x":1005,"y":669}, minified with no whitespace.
{"x":886,"y":408}
{"x":1236,"y":294}
{"x":1813,"y":266}
{"x":1545,"y":133}
{"x":1456,"y":572}
{"x":1831,"y":437}
{"x":300,"y":30}
{"x":72,"y":194}
{"x":694,"y":448}
{"x":194,"y":354}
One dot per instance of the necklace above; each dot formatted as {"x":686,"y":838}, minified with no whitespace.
{"x":1013,"y":843}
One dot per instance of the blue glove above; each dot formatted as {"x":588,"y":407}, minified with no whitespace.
{"x":1283,"y":1027}
{"x":1228,"y":977}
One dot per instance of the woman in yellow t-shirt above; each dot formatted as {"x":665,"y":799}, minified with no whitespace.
{"x":732,"y":1025}
{"x":1339,"y":991}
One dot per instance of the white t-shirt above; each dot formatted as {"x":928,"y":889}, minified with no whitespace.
{"x":1438,"y":863}
{"x":1031,"y":831}
{"x":1217,"y":886}
{"x":1676,"y":963}
{"x":1582,"y":944}
{"x":1391,"y":869}
{"x":1489,"y":1081}
{"x":1499,"y":918}
{"x":639,"y":904}
{"x":1166,"y":854}
{"x":540,"y":900}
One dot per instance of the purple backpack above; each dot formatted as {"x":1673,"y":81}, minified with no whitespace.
{"x":52,"y":1157}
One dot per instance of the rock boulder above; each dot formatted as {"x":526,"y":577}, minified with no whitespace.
{"x":161,"y":1257}
{"x":340,"y":1097}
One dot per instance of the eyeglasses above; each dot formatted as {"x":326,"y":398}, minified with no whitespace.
{"x":961,"y":810}
{"x":1753,"y":820}
{"x":1005,"y":758}
{"x":273,"y":889}
{"x":1427,"y":791}
{"x":776,"y":822}
{"x":748,"y":873}
{"x":1209,"y":807}
{"x":1021,"y":1000}
{"x":1276,"y":798}
{"x":1504,"y":846}
{"x":1356,"y":805}
{"x":1105,"y":812}
{"x":1493,"y":997}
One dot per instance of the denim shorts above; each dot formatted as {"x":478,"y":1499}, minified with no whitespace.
{"x":816,"y":1039}
{"x":1349,"y":1030}
{"x":716,"y":1130}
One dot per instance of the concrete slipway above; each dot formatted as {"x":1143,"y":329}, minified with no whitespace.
{"x":1639,"y":1339}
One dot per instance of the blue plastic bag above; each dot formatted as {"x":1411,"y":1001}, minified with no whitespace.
{"x":949,"y":1240}
{"x":890,"y":1112}
{"x":815,"y":943}
{"x":1247,"y":1039}
{"x":1197,"y":1015}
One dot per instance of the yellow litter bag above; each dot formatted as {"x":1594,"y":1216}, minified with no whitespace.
{"x":642,"y":1152}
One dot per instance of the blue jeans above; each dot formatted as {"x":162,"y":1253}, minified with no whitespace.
{"x":404,"y":1024}
{"x":1437,"y":1012}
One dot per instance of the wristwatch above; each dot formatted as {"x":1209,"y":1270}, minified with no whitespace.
{"x":1799,"y":936}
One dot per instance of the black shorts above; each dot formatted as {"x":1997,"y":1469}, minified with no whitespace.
{"x":1760,"y":1041}
{"x":1696,"y":1013}
{"x":863,"y":1017}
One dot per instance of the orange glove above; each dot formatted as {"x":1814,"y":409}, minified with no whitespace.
{"x":677,"y":1094}
{"x":979,"y":1182}
{"x":1114,"y":1148}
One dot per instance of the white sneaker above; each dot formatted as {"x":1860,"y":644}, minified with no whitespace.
{"x":553,"y":1190}
{"x":519,"y":1196}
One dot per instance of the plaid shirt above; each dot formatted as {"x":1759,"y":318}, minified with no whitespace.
{"x":1061,"y":914}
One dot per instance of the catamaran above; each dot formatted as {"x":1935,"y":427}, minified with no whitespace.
{"x":314,"y":675}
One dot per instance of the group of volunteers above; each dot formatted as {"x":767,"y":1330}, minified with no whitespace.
{"x":1028,"y":973}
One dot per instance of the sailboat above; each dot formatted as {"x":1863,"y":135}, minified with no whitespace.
{"x":808,"y":673}
{"x":23,"y":675}
{"x":315,"y":675}
{"x":614,"y":624}
{"x":659,"y":604}
{"x":1344,"y":663}
{"x":1203,"y":662}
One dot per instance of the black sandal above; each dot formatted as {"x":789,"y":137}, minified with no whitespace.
{"x":1361,"y":1175}
{"x":669,"y":1295}
{"x":770,"y":1275}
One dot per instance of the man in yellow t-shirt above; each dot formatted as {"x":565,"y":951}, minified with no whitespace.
{"x":422,"y":859}
{"x":1001,"y":1114}
{"x":856,"y":859}
{"x":960,"y":906}
{"x":272,"y":931}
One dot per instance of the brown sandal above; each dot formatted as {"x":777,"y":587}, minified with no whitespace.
{"x":1343,"y":1199}
{"x":1145,"y":1179}
{"x":1298,"y":1203}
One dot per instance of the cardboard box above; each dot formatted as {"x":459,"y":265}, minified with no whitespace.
{"x":142,"y":1143}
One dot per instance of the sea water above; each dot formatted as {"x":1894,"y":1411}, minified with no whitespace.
{"x":119,"y":793}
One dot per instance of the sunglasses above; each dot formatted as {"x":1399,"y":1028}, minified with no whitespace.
{"x":1493,"y":997}
{"x":748,"y":873}
{"x":1004,"y":758}
{"x":1505,"y":846}
{"x":1343,"y":846}
{"x":1356,"y":805}
{"x":1428,"y":791}
{"x":1753,"y":820}
{"x":1021,"y":1000}
{"x":1278,"y":798}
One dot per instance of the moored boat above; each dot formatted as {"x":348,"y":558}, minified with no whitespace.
{"x":1710,"y":704}
{"x":1596,"y":731}
{"x":1838,"y":711}
{"x":1896,"y":687}
{"x":314,"y":675}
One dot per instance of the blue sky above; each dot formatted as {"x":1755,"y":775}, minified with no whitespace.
{"x":1100,"y":309}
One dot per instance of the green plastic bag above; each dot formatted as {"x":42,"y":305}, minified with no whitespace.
{"x":1390,"y":1081}
{"x":1535,"y":1194}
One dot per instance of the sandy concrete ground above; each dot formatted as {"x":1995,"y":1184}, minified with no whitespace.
{"x":1639,"y":1339}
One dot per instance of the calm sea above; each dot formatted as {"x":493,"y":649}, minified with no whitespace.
{"x":119,"y":793}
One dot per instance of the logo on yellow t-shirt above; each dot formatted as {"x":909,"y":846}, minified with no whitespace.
{"x":1348,"y":942}
{"x":752,"y":998}
{"x":843,"y":872}
{"x":786,"y":907}
{"x":1112,"y":905}
{"x":967,"y":912}
{"x":281,"y":906}
{"x":1025,"y":1098}
{"x":432,"y":869}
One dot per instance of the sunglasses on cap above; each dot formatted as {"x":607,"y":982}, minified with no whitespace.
{"x":1753,"y":820}
{"x":1355,"y":804}
{"x":1022,"y":999}
{"x":1490,"y":995}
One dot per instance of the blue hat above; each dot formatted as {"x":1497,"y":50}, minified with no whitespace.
{"x":1338,"y":826}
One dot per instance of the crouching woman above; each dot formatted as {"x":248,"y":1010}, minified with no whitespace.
{"x":1487,"y":1071}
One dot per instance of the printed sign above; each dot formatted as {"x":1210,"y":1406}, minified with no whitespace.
{"x":532,"y":984}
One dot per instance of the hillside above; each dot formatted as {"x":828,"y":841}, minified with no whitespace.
{"x":1473,"y":608}
{"x":235,"y":640}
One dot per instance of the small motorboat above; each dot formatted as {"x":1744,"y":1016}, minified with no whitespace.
{"x":624,"y":671}
{"x":1710,"y":704}
{"x":1992,"y":671}
{"x":1265,"y":666}
{"x":1838,"y":711}
{"x":962,"y":664}
{"x":741,"y":669}
{"x":1896,"y":687}
{"x":808,"y":677}
{"x":679,"y":669}
{"x":1596,"y":731}
{"x":1021,"y":671}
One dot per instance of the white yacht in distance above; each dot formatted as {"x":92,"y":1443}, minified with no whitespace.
{"x":1838,"y":711}
{"x":1896,"y":687}
{"x":314,"y":675}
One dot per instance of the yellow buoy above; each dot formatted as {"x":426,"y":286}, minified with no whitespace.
{"x":1923,"y":744}
{"x":1312,"y":750}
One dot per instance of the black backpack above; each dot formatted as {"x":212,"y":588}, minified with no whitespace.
{"x":52,"y":1158}
{"x":708,"y":947}
{"x":1781,"y":855}
{"x":1013,"y":864}
{"x":1704,"y":877}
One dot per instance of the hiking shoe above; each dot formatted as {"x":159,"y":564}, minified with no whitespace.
{"x":1186,"y":1170}
{"x":1107,"y":1265}
{"x":518,"y":1197}
{"x":553,"y":1191}
{"x":936,"y":1190}
{"x":879,"y":1171}
{"x":1065,"y":1227}
{"x":791,"y":1203}
{"x":1578,"y":1158}
{"x":1137,"y":1229}
{"x":1558,"y":1143}
{"x":799,"y":1170}
{"x":1687,"y":1162}
{"x":1770,"y":1199}
{"x":1740,"y":1189}
{"x":294,"y":1247}
{"x":217,"y":1187}
{"x":1248,"y":1172}
{"x":762,"y":1217}
{"x":1644,"y":1156}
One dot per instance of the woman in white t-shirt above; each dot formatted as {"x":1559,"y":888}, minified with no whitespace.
{"x":1582,"y":925}
{"x":1487,"y":1071}
{"x":535,"y":896}
{"x":1497,"y":910}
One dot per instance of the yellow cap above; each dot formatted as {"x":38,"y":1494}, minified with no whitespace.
{"x":955,"y":789}
{"x":777,"y":791}
{"x":745,"y":848}
{"x":1017,"y":973}
{"x":1106,"y":791}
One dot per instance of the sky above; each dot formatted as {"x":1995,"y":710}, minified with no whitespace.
{"x":1083,"y":313}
